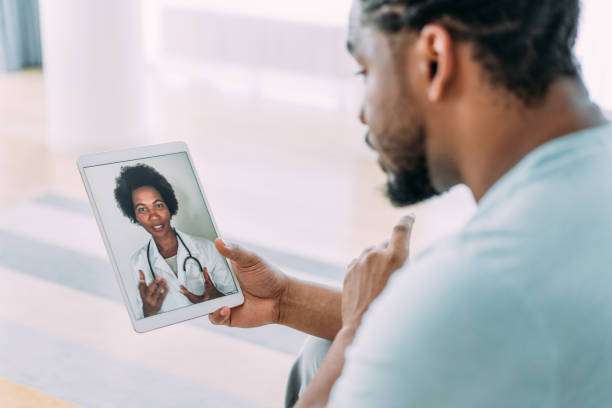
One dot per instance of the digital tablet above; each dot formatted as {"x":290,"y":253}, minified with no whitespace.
{"x":159,"y":233}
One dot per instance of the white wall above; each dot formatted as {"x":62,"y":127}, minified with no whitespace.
{"x":240,"y":47}
{"x":94,"y":70}
{"x":96,"y":55}
{"x":594,"y":50}
{"x":271,"y":49}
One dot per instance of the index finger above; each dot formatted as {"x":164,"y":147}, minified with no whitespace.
{"x":400,"y":237}
{"x":142,"y":286}
{"x":205,"y":274}
{"x":207,"y":280}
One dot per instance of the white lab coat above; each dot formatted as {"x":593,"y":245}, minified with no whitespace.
{"x":202,"y":249}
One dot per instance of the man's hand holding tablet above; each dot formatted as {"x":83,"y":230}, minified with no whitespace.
{"x":270,"y":296}
{"x":266,"y":287}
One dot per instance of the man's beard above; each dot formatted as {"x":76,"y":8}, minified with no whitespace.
{"x":410,"y":183}
{"x":413,"y":186}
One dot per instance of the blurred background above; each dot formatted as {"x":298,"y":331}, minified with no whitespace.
{"x":264,"y":94}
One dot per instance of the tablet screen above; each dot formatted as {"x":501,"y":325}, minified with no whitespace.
{"x":160,"y":233}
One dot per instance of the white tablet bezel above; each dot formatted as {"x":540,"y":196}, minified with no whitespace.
{"x":175,"y":316}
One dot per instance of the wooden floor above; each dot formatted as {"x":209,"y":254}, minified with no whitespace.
{"x":20,"y":396}
{"x":296,"y":180}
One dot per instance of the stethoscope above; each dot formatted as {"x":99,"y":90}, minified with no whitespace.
{"x":189,"y":256}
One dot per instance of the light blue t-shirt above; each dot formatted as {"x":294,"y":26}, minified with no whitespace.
{"x":515,"y":310}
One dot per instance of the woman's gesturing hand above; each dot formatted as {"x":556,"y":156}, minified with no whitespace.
{"x":262,"y":285}
{"x":152,"y":295}
{"x":210,"y":290}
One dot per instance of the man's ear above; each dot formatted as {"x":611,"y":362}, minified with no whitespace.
{"x":436,"y":60}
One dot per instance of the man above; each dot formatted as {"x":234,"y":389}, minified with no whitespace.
{"x":516,"y":309}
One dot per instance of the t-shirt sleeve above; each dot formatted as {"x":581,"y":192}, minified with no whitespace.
{"x":448,"y":333}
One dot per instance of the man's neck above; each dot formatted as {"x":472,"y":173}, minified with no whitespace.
{"x":513,"y":130}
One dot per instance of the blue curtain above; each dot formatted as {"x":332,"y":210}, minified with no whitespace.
{"x":19,"y":34}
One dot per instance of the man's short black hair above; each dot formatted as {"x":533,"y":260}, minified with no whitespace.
{"x":141,"y":175}
{"x":523,"y":45}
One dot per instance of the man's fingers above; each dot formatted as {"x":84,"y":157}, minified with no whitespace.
{"x":400,"y":237}
{"x":236,"y":253}
{"x":352,"y":264}
{"x":367,"y":251}
{"x":220,"y":316}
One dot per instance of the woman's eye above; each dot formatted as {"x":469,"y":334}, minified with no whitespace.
{"x":140,"y":210}
{"x":159,"y":205}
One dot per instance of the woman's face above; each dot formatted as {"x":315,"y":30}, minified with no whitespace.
{"x":151,"y":211}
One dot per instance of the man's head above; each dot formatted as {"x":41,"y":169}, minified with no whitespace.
{"x":428,"y":65}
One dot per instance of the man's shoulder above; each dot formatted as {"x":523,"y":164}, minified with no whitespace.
{"x":468,"y":250}
{"x":466,"y":271}
{"x":447,"y":311}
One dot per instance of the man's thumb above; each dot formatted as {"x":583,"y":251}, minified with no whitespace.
{"x":225,"y":249}
{"x":234,"y":252}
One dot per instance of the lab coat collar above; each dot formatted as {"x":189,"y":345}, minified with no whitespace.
{"x":159,"y":263}
{"x":157,"y":260}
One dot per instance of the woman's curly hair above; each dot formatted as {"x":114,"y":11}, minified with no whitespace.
{"x":141,"y":175}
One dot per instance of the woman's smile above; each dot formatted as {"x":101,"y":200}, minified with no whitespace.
{"x":158,"y":229}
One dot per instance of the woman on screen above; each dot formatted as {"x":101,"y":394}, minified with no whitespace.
{"x":173,"y":269}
